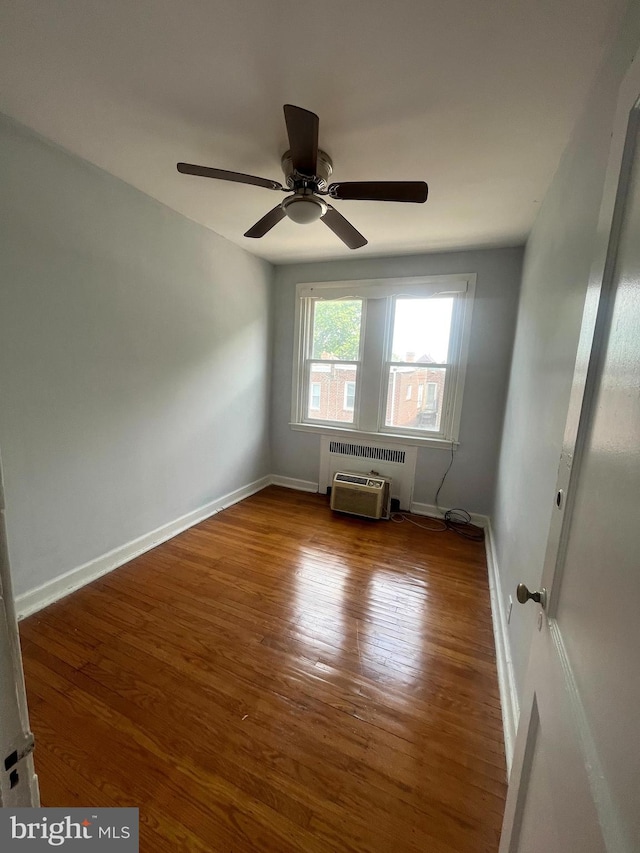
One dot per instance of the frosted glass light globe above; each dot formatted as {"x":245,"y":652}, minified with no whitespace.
{"x":304,"y":209}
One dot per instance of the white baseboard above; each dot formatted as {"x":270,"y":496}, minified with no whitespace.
{"x":42,"y":596}
{"x":433,"y":512}
{"x":292,"y":483}
{"x":504,"y":661}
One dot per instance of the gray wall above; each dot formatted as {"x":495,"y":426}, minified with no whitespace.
{"x":555,"y":276}
{"x":470,"y":483}
{"x":134,"y":361}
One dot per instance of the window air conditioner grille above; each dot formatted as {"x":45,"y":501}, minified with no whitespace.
{"x":360,"y":495}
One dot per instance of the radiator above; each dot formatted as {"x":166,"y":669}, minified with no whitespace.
{"x":395,"y":462}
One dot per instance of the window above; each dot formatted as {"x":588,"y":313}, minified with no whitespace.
{"x":432,"y":397}
{"x":332,"y":344}
{"x":362,"y":347}
{"x":314,"y":401}
{"x":349,"y":395}
{"x":430,"y":415}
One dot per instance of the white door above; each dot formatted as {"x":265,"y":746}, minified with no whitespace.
{"x":575,"y":781}
{"x":18,"y":782}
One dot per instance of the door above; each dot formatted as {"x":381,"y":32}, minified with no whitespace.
{"x":575,"y":778}
{"x":18,"y":782}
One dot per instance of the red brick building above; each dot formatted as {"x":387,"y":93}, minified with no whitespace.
{"x":413,"y":401}
{"x":414,"y":397}
{"x":332,"y":392}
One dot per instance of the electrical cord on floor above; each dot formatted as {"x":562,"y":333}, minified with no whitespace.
{"x":400,"y":517}
{"x":458,"y":520}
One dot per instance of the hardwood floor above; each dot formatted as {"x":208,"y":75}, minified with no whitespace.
{"x":279,"y":678}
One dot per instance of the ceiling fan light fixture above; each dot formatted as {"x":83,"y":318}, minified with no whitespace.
{"x":304,"y":208}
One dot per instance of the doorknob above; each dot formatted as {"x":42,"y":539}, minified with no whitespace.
{"x":523,"y":595}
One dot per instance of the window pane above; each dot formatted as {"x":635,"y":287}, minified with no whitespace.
{"x":336,"y":329}
{"x":421,"y":330}
{"x":349,"y":395}
{"x":314,"y":397}
{"x":402,"y":409}
{"x":332,"y":392}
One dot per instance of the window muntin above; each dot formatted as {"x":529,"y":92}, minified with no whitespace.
{"x":438,"y":307}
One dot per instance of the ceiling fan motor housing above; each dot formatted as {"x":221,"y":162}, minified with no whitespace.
{"x":324,"y":168}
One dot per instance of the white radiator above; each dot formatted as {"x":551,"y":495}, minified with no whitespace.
{"x":397,"y":462}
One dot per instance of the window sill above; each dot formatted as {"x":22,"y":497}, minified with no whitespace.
{"x":387,"y":437}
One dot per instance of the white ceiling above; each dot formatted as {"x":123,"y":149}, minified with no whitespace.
{"x":477,"y":97}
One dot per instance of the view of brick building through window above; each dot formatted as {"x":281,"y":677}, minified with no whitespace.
{"x":414,"y":395}
{"x":383,"y":357}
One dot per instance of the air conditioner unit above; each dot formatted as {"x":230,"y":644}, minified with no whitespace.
{"x":361,"y":494}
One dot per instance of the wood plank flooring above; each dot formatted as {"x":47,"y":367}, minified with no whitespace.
{"x":280,"y":679}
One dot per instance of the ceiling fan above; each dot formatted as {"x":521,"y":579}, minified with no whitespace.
{"x":307,"y":170}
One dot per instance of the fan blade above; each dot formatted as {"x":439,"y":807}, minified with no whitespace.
{"x":343,"y":229}
{"x":266,"y":223}
{"x":223,"y":175}
{"x":302,"y":130}
{"x":415,"y":191}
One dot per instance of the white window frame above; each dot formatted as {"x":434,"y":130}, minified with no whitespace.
{"x":304,"y":366}
{"x":372,"y":365}
{"x":345,"y":404}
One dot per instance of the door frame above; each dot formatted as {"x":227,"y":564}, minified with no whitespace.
{"x":594,"y":329}
{"x":15,"y":732}
{"x":594,"y":326}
